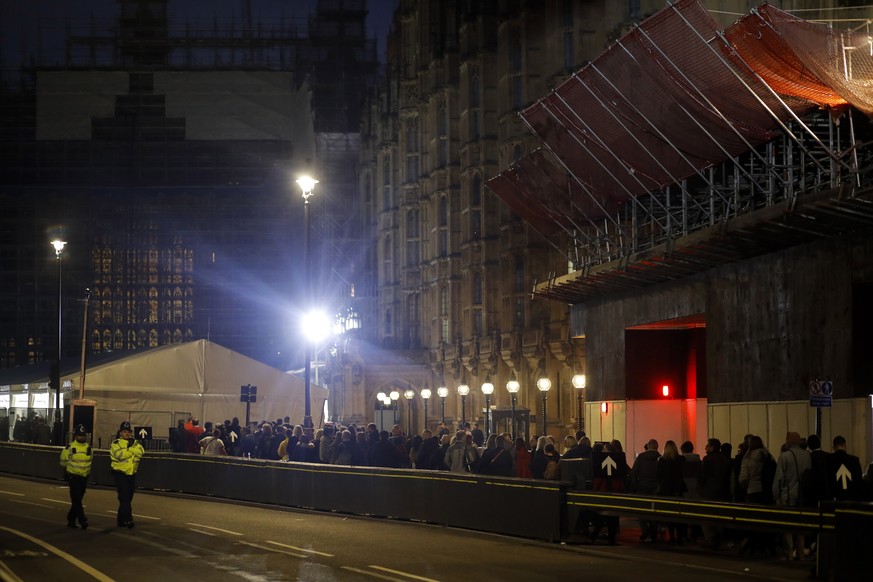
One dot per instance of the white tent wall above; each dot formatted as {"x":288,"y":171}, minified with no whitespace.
{"x":200,"y":378}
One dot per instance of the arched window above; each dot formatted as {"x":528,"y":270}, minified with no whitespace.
{"x":444,"y":314}
{"x":387,"y":266}
{"x":443,"y":226}
{"x":412,"y":238}
{"x":476,"y":207}
{"x":443,"y":133}
{"x":516,"y":63}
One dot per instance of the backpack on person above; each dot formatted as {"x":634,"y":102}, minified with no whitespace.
{"x":768,"y":475}
{"x":553,"y":471}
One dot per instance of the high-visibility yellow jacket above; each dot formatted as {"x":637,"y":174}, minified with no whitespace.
{"x":125,"y":455}
{"x":76,"y":458}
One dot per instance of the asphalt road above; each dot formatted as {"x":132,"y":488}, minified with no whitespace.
{"x":185,"y":538}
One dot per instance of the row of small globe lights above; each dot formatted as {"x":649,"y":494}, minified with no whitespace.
{"x":512,"y":386}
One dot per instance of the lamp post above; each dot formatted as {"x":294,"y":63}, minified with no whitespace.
{"x":386,"y":405}
{"x":579,"y":384}
{"x":443,"y":392}
{"x":394,"y":396}
{"x":463,"y":390}
{"x":380,"y":398}
{"x":512,"y":387}
{"x":543,"y":385}
{"x":306,"y":184}
{"x":409,"y":395}
{"x":58,"y":245}
{"x":487,"y":390}
{"x":425,"y":395}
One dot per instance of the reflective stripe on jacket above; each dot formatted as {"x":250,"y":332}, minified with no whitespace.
{"x":76,"y":458}
{"x":125,"y":457}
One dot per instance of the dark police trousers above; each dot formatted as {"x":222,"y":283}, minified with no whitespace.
{"x":125,"y":485}
{"x":78,"y":484}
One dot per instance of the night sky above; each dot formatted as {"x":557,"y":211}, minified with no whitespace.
{"x":29,"y":25}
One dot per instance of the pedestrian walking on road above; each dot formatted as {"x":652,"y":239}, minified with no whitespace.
{"x":125,"y":454}
{"x":76,"y":461}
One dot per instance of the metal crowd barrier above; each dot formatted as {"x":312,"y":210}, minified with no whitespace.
{"x":546,"y":510}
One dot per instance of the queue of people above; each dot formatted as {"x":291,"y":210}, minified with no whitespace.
{"x":801,"y":475}
{"x":32,"y":429}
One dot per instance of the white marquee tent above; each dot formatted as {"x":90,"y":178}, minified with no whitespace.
{"x":156,"y":387}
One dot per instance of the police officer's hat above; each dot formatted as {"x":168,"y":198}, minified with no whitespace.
{"x":125,"y":426}
{"x":80,"y":431}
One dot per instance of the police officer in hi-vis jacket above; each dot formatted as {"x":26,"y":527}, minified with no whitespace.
{"x":76,"y":461}
{"x":125,"y":454}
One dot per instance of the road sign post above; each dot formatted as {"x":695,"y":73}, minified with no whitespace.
{"x":248,"y":394}
{"x":821,"y":395}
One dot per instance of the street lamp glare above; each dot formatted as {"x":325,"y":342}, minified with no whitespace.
{"x":58,"y":245}
{"x":579,"y":381}
{"x":544,"y":384}
{"x":442,"y":391}
{"x":307,"y":183}
{"x":315,"y":326}
{"x":409,"y":394}
{"x":487,"y":388}
{"x":381,"y":396}
{"x":463,"y":389}
{"x":425,"y":393}
{"x":395,"y":395}
{"x":513,"y":386}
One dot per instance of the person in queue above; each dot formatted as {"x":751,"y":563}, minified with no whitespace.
{"x":125,"y":454}
{"x":76,"y":461}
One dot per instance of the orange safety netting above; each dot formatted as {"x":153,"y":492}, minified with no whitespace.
{"x":661,"y":105}
{"x":796,"y":57}
{"x":539,"y":190}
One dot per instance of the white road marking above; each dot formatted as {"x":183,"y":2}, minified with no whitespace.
{"x":404,"y":574}
{"x":12,"y":493}
{"x":56,"y":501}
{"x":96,"y":574}
{"x":30,"y":503}
{"x":367,"y":573}
{"x":227,"y":531}
{"x":136,"y":515}
{"x":200,"y":531}
{"x":273,"y":550}
{"x":300,"y":549}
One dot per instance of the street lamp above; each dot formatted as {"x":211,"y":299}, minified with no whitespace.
{"x":487,"y":390}
{"x":409,"y":395}
{"x":380,"y":398}
{"x":58,"y":245}
{"x":386,"y":403}
{"x":394,"y":397}
{"x":425,"y":395}
{"x":442,"y":391}
{"x":306,"y":184}
{"x":512,"y":387}
{"x":579,"y":384}
{"x":463,"y":390}
{"x":543,"y":385}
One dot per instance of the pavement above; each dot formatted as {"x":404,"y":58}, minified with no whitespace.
{"x":727,"y":558}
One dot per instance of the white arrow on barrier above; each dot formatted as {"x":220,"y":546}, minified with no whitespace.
{"x":844,"y":474}
{"x":143,"y":433}
{"x":610,"y":466}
